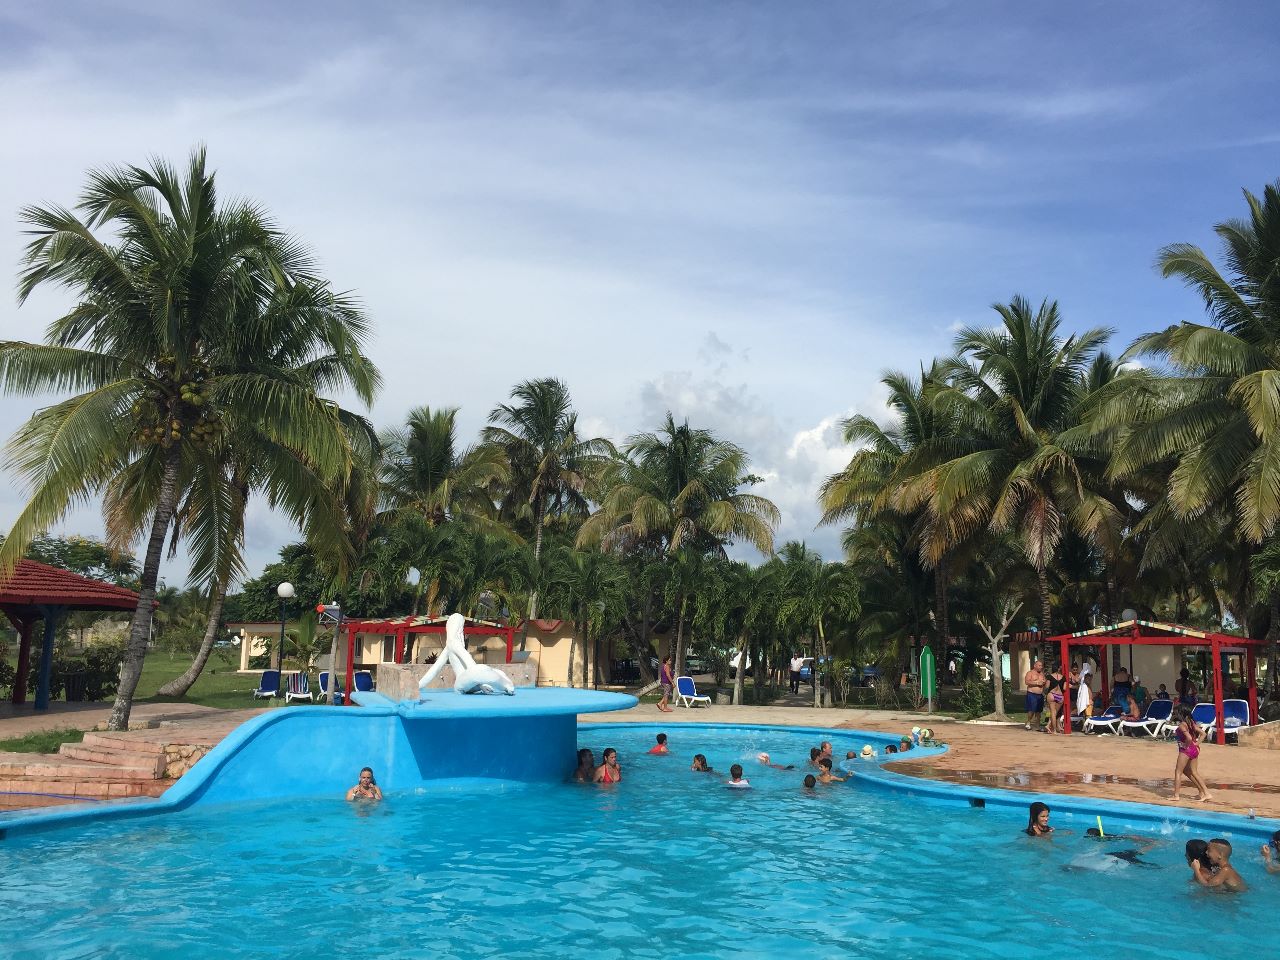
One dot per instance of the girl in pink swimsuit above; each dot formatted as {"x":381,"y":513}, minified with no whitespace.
{"x":1188,"y":736}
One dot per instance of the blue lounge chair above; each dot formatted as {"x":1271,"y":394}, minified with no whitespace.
{"x":363,"y":680}
{"x":1154,"y":719}
{"x":298,"y":688}
{"x":687,"y":693}
{"x":268,"y":686}
{"x":1204,"y":714}
{"x":1235,"y":717}
{"x":338,"y":698}
{"x":1109,"y":720}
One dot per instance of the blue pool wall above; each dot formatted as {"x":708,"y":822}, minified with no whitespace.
{"x":1076,"y":813}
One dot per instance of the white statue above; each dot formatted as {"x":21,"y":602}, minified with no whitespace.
{"x":471,"y":677}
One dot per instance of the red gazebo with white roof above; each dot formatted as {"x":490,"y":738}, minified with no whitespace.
{"x":1152,"y":633}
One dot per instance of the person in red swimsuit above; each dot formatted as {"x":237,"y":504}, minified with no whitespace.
{"x":609,"y":771}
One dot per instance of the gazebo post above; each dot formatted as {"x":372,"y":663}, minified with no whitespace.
{"x":399,"y":657}
{"x":1067,"y":707}
{"x":1251,"y":670}
{"x":511,"y":634}
{"x":1102,"y":668}
{"x":1216,"y":653}
{"x":24,"y":625}
{"x":50,"y":615}
{"x":351,"y":666}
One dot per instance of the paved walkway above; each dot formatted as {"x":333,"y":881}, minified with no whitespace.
{"x":20,"y":721}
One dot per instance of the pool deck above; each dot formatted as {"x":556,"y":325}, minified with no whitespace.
{"x":1008,"y":757}
{"x":1012,"y":758}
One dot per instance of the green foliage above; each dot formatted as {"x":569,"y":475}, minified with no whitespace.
{"x":42,"y":741}
{"x":978,"y":698}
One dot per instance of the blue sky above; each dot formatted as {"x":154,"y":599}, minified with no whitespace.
{"x":739,"y":212}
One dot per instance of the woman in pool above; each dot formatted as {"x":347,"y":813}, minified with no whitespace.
{"x":366,"y":788}
{"x":1188,"y":736}
{"x":586,"y":766}
{"x":609,"y":771}
{"x":666,"y":682}
{"x":700,"y":764}
{"x":1271,"y":853}
{"x":1038,"y":820}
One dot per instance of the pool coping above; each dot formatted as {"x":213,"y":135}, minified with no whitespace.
{"x":874,"y":774}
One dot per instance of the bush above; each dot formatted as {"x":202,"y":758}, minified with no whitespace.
{"x":7,"y":675}
{"x":977,"y":698}
{"x":94,"y":675}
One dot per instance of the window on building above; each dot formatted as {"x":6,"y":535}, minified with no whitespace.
{"x":388,"y":649}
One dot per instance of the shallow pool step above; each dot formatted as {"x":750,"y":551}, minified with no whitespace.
{"x":114,"y":756}
{"x":16,"y":792}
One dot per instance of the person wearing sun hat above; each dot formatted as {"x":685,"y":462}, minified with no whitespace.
{"x":868,"y":752}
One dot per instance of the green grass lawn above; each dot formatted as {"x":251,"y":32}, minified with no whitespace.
{"x":219,"y":686}
{"x":44,"y":741}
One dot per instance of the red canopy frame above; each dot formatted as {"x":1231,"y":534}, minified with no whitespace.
{"x":1152,"y":633}
{"x":404,"y":627}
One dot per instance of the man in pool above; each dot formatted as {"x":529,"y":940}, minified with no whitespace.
{"x":366,"y":788}
{"x":736,"y":780}
{"x":1224,"y":876}
{"x":661,"y":746}
{"x":825,"y":749}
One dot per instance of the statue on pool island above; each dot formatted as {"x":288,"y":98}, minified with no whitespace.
{"x":471,"y":677}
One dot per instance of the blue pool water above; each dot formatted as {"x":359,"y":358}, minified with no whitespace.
{"x":668,"y":863}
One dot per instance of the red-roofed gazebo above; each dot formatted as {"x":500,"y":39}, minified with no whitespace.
{"x":36,"y":591}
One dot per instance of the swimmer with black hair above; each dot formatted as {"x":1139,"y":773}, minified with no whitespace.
{"x":810,"y":781}
{"x":1128,"y":855}
{"x":700,"y":764}
{"x":1224,"y":877}
{"x":1271,"y":853}
{"x":736,"y":780}
{"x":661,"y":747}
{"x":825,"y":775}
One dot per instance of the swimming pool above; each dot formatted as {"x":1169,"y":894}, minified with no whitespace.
{"x":669,"y":863}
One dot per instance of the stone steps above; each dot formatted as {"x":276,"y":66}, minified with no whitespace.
{"x":44,"y":766}
{"x":115,"y":757}
{"x":120,"y":741}
{"x":32,"y":791}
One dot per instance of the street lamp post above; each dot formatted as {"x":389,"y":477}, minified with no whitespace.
{"x":285,"y":593}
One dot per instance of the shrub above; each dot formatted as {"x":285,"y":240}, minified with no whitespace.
{"x":977,"y":698}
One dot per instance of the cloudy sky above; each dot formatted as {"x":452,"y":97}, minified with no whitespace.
{"x":739,"y":212}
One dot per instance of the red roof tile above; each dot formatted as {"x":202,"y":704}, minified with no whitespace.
{"x":33,"y":583}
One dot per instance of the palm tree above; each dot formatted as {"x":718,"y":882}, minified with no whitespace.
{"x":1014,"y":392}
{"x":427,"y":481}
{"x":550,"y":464}
{"x":680,"y":488}
{"x":813,"y":592}
{"x":592,"y":588}
{"x":163,"y":278}
{"x":878,"y":479}
{"x":1214,"y":421}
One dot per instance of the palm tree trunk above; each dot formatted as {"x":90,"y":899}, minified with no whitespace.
{"x":179,"y":686}
{"x":1273,"y":634}
{"x":140,"y":629}
{"x":1046,"y":617}
{"x":941,"y":614}
{"x":677,"y":656}
{"x":997,"y":679}
{"x":740,"y":681}
{"x":537,"y":556}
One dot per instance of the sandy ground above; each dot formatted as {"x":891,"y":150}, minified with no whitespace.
{"x":1115,"y":768}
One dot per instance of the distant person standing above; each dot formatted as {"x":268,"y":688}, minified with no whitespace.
{"x":1186,"y":689}
{"x":1084,"y":692}
{"x":666,"y":682}
{"x":796,"y":663}
{"x":1139,"y":692}
{"x":1035,"y":682}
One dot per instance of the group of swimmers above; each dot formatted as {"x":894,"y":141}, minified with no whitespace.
{"x":820,"y":759}
{"x":1209,"y":860}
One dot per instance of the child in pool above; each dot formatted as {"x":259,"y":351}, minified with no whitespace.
{"x":661,"y":746}
{"x":700,"y":764}
{"x":586,"y":766}
{"x":764,"y":758}
{"x":825,"y":775}
{"x":1224,"y":876}
{"x":1271,"y":853}
{"x":1038,"y":820}
{"x":736,"y":780}
{"x":810,"y":781}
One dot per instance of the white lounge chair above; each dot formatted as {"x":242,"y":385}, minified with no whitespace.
{"x":299,"y":688}
{"x":687,"y":693}
{"x":1109,"y":721}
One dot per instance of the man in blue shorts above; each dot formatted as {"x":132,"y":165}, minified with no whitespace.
{"x":1035,"y":682}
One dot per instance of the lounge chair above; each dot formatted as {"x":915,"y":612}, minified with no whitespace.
{"x":687,"y":693}
{"x":1109,"y":720}
{"x":1235,"y":717}
{"x":298,"y":688}
{"x":268,"y":686}
{"x":323,"y":687}
{"x":1154,"y":719}
{"x":1205,"y":715}
{"x":363,"y":680}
